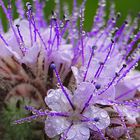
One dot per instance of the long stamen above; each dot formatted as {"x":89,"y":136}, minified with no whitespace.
{"x":123,"y":122}
{"x":65,"y":26}
{"x":132,"y":43}
{"x":32,"y":20}
{"x":39,"y":113}
{"x":130,"y":31}
{"x":27,"y":119}
{"x":66,"y":132}
{"x":130,"y":66}
{"x":31,"y":109}
{"x":29,"y":19}
{"x":8,"y":15}
{"x":87,"y":103}
{"x":113,"y":80}
{"x":56,"y":27}
{"x":92,"y":53}
{"x":2,"y":38}
{"x":119,"y":32}
{"x":20,"y":34}
{"x":57,"y":33}
{"x":134,"y":104}
{"x":97,"y":74}
{"x":64,"y":91}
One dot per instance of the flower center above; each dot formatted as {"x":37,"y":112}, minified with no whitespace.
{"x":75,"y":116}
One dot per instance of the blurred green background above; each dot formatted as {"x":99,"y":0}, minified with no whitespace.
{"x":125,"y":7}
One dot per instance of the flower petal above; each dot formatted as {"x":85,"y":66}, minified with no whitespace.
{"x":78,"y":132}
{"x":134,"y":75}
{"x":130,"y":112}
{"x":82,"y":94}
{"x":31,"y":55}
{"x":124,"y":87}
{"x":99,"y":117}
{"x":55,"y":126}
{"x":108,"y":95}
{"x":57,"y":101}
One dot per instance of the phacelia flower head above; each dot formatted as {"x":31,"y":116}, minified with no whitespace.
{"x":84,"y":82}
{"x":80,"y":119}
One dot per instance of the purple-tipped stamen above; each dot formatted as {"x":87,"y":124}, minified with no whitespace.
{"x":29,"y":19}
{"x":11,"y":23}
{"x":64,"y":136}
{"x":97,"y":74}
{"x":123,"y":122}
{"x":19,"y":33}
{"x":38,"y":114}
{"x":113,"y":80}
{"x":92,"y":53}
{"x":64,"y":91}
{"x":87,"y":103}
{"x":130,"y":66}
{"x":2,"y":38}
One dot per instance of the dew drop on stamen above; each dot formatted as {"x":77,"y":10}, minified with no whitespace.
{"x":61,"y":25}
{"x":58,"y":85}
{"x":83,"y":33}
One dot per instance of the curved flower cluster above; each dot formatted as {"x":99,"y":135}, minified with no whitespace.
{"x":86,"y":80}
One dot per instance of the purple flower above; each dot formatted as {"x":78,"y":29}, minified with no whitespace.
{"x":80,"y":120}
{"x":87,"y":78}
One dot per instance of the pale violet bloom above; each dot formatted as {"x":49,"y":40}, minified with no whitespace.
{"x":85,"y":77}
{"x":77,"y":124}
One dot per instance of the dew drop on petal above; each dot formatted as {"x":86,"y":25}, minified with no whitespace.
{"x":104,"y":114}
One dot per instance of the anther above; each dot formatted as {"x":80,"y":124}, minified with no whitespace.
{"x":117,"y":74}
{"x":97,"y":86}
{"x":126,"y":22}
{"x":112,"y":18}
{"x":17,"y":25}
{"x":101,"y":63}
{"x":28,"y":5}
{"x":65,"y":18}
{"x":124,"y":65}
{"x":53,"y":66}
{"x":94,"y":47}
{"x":53,"y":15}
{"x":118,"y":15}
{"x":112,"y":40}
{"x":96,"y":119}
{"x":116,"y":29}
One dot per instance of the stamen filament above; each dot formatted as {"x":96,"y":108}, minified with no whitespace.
{"x":92,"y":53}
{"x":64,"y":91}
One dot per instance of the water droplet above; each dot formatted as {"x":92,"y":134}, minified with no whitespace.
{"x":103,"y":114}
